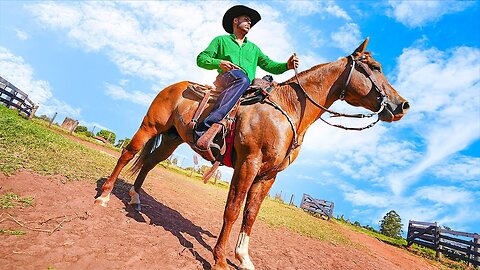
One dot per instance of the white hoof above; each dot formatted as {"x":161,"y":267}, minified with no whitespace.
{"x":241,"y":252}
{"x":102,"y":200}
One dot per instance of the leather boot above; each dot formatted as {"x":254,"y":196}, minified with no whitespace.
{"x":205,"y":142}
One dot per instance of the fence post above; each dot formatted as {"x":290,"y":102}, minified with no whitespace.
{"x":53,"y":118}
{"x":291,"y":200}
{"x":476,"y":240}
{"x":438,"y":246}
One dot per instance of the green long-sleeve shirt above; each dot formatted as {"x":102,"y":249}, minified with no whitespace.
{"x":247,"y":56}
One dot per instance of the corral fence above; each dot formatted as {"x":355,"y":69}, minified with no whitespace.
{"x":453,"y":244}
{"x":13,"y":97}
{"x":322,"y":207}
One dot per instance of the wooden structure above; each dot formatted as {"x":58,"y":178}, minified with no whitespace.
{"x":453,"y":244}
{"x":69,"y":124}
{"x":13,"y":97}
{"x":322,"y":207}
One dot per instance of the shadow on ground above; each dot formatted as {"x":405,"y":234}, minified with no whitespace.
{"x":159,"y":214}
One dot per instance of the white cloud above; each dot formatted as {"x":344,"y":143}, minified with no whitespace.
{"x":449,"y":195}
{"x":347,"y":38}
{"x":306,"y":8}
{"x":119,"y":93}
{"x":367,"y":198}
{"x":444,"y":91}
{"x":17,"y":72}
{"x":461,"y":169}
{"x":337,"y":11}
{"x":21,"y":35}
{"x":419,"y":13}
{"x":156,"y":40}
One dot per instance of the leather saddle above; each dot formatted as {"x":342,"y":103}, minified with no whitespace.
{"x":212,"y":145}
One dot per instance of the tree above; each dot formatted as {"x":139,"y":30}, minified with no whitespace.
{"x":107,"y":135}
{"x":123,"y":143}
{"x":391,"y":225}
{"x":82,"y":129}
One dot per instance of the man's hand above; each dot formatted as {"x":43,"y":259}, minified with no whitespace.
{"x":227,"y":65}
{"x":293,"y":61}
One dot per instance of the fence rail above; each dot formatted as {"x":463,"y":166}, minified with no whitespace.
{"x":322,"y":207}
{"x":445,"y":241}
{"x":13,"y":97}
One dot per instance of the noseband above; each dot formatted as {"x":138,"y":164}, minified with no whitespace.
{"x":367,"y":70}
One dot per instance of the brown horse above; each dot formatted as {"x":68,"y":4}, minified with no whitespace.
{"x":267,"y":138}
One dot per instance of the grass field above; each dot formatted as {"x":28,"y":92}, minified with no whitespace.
{"x":27,"y":144}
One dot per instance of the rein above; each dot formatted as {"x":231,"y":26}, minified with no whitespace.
{"x":295,"y":144}
{"x":342,"y":97}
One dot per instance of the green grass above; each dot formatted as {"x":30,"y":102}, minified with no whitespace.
{"x":11,"y":200}
{"x":399,"y":242}
{"x":280,"y":215}
{"x":27,"y":145}
{"x":14,"y":232}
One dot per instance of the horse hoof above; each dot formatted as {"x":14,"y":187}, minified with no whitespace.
{"x":136,"y":206}
{"x":101,"y":201}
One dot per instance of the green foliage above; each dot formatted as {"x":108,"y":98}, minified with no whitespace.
{"x":44,"y":118}
{"x":10,"y":200}
{"x":107,"y":135}
{"x":391,"y":225}
{"x":123,"y":143}
{"x":175,"y":161}
{"x":81,"y":129}
{"x":368,"y":230}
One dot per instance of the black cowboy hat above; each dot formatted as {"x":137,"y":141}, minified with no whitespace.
{"x":236,"y":11}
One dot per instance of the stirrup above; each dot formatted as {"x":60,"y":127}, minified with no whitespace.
{"x":205,"y":143}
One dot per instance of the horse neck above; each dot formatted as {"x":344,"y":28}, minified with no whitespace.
{"x":323,"y":84}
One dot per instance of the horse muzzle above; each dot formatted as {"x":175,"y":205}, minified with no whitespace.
{"x":394,"y":112}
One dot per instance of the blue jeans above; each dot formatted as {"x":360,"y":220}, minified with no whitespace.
{"x":234,"y":83}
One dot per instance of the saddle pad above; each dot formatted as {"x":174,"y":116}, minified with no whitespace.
{"x":228,"y":157}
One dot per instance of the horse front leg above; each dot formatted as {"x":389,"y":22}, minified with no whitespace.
{"x":256,"y":195}
{"x":242,"y":179}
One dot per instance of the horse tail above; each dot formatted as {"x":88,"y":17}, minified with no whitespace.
{"x":144,"y":154}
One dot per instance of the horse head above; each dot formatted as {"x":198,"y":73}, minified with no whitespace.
{"x":368,"y":87}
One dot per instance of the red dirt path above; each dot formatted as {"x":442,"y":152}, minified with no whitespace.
{"x":177,"y":229}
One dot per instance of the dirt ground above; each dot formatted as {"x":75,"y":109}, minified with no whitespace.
{"x":177,"y":229}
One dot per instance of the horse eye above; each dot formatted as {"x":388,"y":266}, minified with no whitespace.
{"x":377,"y":69}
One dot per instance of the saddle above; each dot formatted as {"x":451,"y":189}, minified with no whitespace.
{"x":218,"y":140}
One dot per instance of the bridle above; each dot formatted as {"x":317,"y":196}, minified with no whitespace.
{"x":295,"y":144}
{"x":379,"y":89}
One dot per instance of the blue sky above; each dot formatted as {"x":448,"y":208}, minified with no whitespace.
{"x":103,"y":62}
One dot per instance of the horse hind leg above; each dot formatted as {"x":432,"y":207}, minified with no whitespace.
{"x":170,"y":142}
{"x":143,"y":135}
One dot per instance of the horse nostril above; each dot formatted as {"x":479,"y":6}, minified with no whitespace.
{"x":405,"y":105}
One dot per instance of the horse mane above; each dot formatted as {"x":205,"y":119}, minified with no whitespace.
{"x":301,"y":73}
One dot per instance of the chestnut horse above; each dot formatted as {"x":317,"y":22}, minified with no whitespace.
{"x":267,"y":138}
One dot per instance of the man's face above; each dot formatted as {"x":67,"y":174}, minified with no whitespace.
{"x":242,"y":22}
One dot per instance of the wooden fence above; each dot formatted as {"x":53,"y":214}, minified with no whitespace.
{"x":453,"y":244}
{"x":13,"y":97}
{"x":321,"y":207}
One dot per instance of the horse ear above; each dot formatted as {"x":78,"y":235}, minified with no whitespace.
{"x":361,"y":49}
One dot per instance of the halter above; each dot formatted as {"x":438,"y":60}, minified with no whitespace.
{"x":295,"y":144}
{"x":367,"y":70}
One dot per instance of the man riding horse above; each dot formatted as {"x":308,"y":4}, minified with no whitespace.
{"x":268,"y":135}
{"x":236,"y":59}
